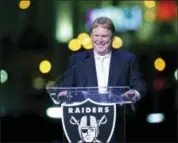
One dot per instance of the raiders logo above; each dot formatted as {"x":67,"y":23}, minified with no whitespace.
{"x":89,"y":121}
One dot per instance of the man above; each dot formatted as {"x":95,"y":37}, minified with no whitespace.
{"x":103,"y":66}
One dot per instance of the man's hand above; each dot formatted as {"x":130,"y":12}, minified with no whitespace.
{"x":62,"y":93}
{"x":131,"y":95}
{"x":61,"y":97}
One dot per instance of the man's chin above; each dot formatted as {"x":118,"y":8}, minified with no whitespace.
{"x":88,"y":140}
{"x":101,"y":51}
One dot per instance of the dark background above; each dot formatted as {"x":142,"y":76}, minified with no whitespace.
{"x":28,"y":37}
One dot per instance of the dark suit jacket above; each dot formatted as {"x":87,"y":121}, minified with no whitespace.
{"x":124,"y":71}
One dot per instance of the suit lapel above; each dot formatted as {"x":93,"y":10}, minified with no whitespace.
{"x":116,"y":66}
{"x":115,"y":70}
{"x":91,"y":70}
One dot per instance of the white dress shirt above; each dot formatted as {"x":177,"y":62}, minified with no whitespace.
{"x":102,"y":64}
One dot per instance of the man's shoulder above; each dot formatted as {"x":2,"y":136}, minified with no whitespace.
{"x":124,"y":54}
{"x":78,"y":57}
{"x":80,"y":54}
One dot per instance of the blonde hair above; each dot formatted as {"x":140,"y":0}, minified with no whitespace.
{"x":104,"y":22}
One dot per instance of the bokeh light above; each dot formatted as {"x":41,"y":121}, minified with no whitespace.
{"x":82,"y":37}
{"x":87,"y":43}
{"x":155,"y":118}
{"x":54,"y":112}
{"x":24,"y":4}
{"x":117,"y":43}
{"x":38,"y":83}
{"x":150,"y":16}
{"x":158,"y":84}
{"x":50,"y":83}
{"x":45,"y":66}
{"x":4,"y":76}
{"x":74,"y":45}
{"x":159,"y":64}
{"x":149,"y":3}
{"x":176,"y":74}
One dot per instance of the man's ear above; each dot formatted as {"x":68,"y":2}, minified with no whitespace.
{"x":113,"y":36}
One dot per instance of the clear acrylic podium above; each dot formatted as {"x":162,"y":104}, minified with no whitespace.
{"x":92,"y":114}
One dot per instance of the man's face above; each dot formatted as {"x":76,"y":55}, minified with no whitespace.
{"x":88,"y":133}
{"x":101,"y":40}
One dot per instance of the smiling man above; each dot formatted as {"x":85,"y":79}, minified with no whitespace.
{"x":102,"y":37}
{"x":104,"y":66}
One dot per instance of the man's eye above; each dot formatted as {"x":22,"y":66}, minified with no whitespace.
{"x":84,"y":130}
{"x":92,"y":130}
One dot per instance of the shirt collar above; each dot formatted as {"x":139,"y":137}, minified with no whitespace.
{"x":97,"y":56}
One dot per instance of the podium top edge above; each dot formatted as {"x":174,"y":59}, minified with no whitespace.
{"x":109,"y":87}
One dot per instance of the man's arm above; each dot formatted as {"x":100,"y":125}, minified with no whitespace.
{"x":66,"y":79}
{"x":136,"y":78}
{"x":71,"y":61}
{"x":137,"y":84}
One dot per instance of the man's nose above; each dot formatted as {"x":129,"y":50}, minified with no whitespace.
{"x":88,"y":132}
{"x":99,"y":39}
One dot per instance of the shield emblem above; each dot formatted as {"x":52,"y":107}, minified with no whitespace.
{"x":88,"y":121}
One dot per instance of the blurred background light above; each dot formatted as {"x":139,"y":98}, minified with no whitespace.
{"x":87,"y":43}
{"x":158,"y":84}
{"x":4,"y":76}
{"x":24,"y":4}
{"x":125,"y":18}
{"x":117,"y":43}
{"x":176,"y":74}
{"x":74,"y":44}
{"x":64,"y":25}
{"x":85,"y":40}
{"x":149,"y":3}
{"x":166,"y":10}
{"x":38,"y":83}
{"x":82,"y":37}
{"x":54,"y":112}
{"x":159,"y":64}
{"x":149,"y":16}
{"x":50,"y":83}
{"x":45,"y":66}
{"x":155,"y":118}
